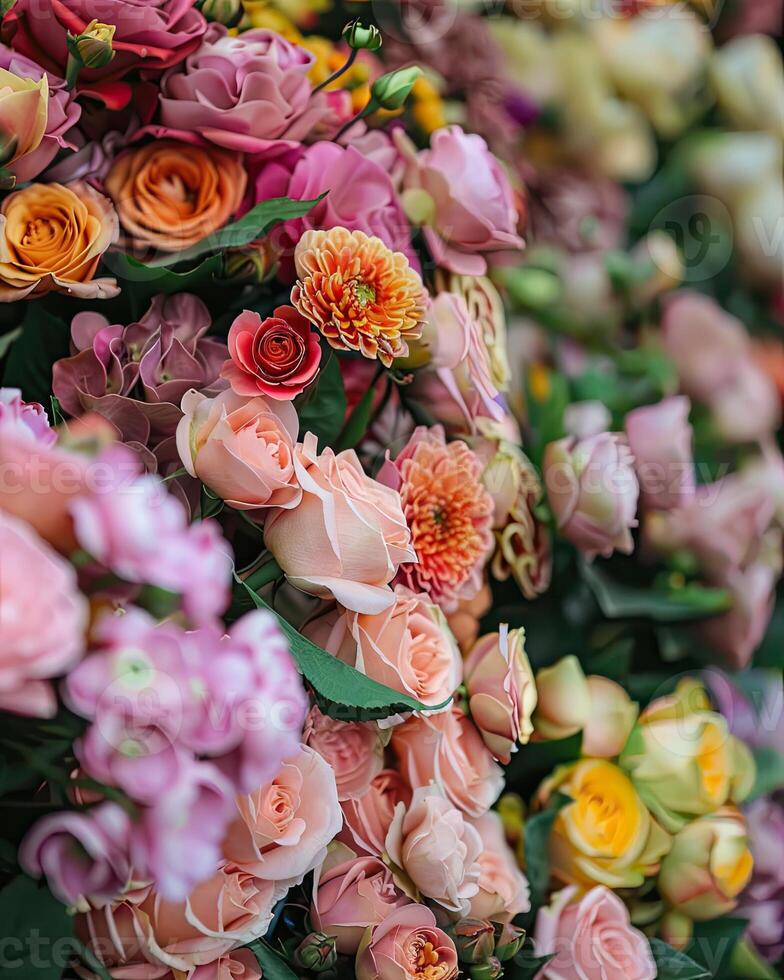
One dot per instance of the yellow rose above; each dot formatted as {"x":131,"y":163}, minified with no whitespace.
{"x":605,"y":835}
{"x":52,"y":237}
{"x":24,"y":111}
{"x":683,"y":760}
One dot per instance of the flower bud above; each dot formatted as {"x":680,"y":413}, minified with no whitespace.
{"x":226,"y":12}
{"x":93,"y":47}
{"x":564,"y":702}
{"x":611,"y":718}
{"x":509,"y":941}
{"x":316,"y":952}
{"x":474,"y":940}
{"x":390,"y":91}
{"x":6,"y":6}
{"x":489,"y":970}
{"x":360,"y":36}
{"x":255,"y":263}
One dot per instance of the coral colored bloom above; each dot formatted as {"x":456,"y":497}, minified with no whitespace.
{"x":277,"y":356}
{"x":361,"y":295}
{"x":449,"y":512}
{"x":354,"y":749}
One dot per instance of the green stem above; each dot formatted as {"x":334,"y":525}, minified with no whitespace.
{"x":336,"y":74}
{"x":72,"y":69}
{"x":269,"y":572}
{"x":370,"y":107}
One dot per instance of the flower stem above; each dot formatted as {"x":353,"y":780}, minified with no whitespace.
{"x":336,"y":74}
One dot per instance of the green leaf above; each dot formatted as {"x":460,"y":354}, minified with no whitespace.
{"x":44,"y":339}
{"x":39,"y":932}
{"x":341,"y":691}
{"x":546,"y":418}
{"x":7,"y":340}
{"x":672,"y":964}
{"x":526,"y":964}
{"x":152,"y":280}
{"x":618,"y":601}
{"x":713,"y":944}
{"x":254,"y":224}
{"x":537,"y":848}
{"x":324,"y":405}
{"x":273,"y":966}
{"x":747,"y":964}
{"x":356,"y":426}
{"x":770,"y":772}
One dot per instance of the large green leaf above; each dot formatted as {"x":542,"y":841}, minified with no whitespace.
{"x":254,"y":224}
{"x":713,"y":944}
{"x":537,"y":848}
{"x":39,"y":939}
{"x":770,"y":772}
{"x":618,"y":601}
{"x":273,"y":966}
{"x":149,"y":280}
{"x":44,"y":339}
{"x":341,"y":691}
{"x":358,"y":421}
{"x":672,"y":964}
{"x":323,"y":406}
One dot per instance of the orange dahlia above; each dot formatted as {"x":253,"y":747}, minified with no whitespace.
{"x":360,"y":294}
{"x":449,"y":514}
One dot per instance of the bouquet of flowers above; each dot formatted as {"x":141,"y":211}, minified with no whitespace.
{"x":391,"y":493}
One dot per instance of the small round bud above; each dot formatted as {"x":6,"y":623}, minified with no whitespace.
{"x":316,"y":952}
{"x":360,"y":36}
{"x":226,"y":12}
{"x":474,"y":940}
{"x":509,"y":941}
{"x":390,"y":91}
{"x":92,"y":48}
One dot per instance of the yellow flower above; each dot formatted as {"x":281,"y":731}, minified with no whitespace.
{"x":24,"y":111}
{"x":605,"y":835}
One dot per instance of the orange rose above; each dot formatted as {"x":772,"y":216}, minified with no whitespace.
{"x":171,"y":195}
{"x":52,"y":238}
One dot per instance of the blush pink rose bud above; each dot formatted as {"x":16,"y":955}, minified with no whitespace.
{"x":591,"y":936}
{"x":593,"y":491}
{"x":42,"y":629}
{"x":352,"y":895}
{"x":431,"y":843}
{"x":406,"y":941}
{"x":660,"y":438}
{"x":464,"y":197}
{"x":354,"y":750}
{"x":277,"y":356}
{"x":84,"y":856}
{"x":241,"y":448}
{"x":503,"y":888}
{"x":501,"y":691}
{"x":347,"y":536}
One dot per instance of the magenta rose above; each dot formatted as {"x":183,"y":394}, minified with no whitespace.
{"x":149,"y":34}
{"x":361,"y":195}
{"x":64,"y":112}
{"x":470,"y":201}
{"x":244,"y":93}
{"x":591,"y":937}
{"x":277,"y":356}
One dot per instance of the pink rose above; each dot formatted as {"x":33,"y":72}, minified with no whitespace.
{"x":353,"y":749}
{"x":347,"y":536}
{"x":84,"y":856}
{"x":408,"y":646}
{"x":736,"y":634}
{"x":501,"y":691}
{"x":366,"y":820}
{"x":447,"y":749}
{"x":591,"y":937}
{"x":470,"y":199}
{"x":362,"y":196}
{"x":241,"y":448}
{"x":503,"y":888}
{"x":284,"y":827}
{"x":593,"y":491}
{"x":350,"y":894}
{"x":430,"y":841}
{"x":660,"y":440}
{"x":396,"y":948}
{"x":43,"y":630}
{"x":715,"y":360}
{"x":243,"y":93}
{"x":278,"y":356}
{"x":150,"y":36}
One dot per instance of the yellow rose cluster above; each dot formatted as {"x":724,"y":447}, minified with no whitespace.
{"x":653,"y":798}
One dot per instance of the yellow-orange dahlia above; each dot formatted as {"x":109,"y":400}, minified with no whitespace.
{"x":449,"y":514}
{"x":360,"y":294}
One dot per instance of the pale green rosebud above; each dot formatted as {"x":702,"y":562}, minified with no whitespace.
{"x":474,"y":940}
{"x":92,"y":48}
{"x":491,"y":969}
{"x":390,"y":91}
{"x":360,"y":36}
{"x":509,"y":941}
{"x":316,"y":952}
{"x":226,"y":12}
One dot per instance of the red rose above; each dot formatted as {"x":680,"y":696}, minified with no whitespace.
{"x":277,"y":357}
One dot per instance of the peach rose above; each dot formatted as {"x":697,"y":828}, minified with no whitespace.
{"x":283,"y":829}
{"x":406,"y":944}
{"x":464,"y":621}
{"x":408,"y":646}
{"x":431,"y":844}
{"x":242,"y":448}
{"x":503,"y":888}
{"x":52,"y":237}
{"x":501,"y":691}
{"x":170,"y":195}
{"x":366,"y":820}
{"x":447,"y":749}
{"x":351,"y":893}
{"x":141,"y":935}
{"x":348,"y":529}
{"x":354,"y":750}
